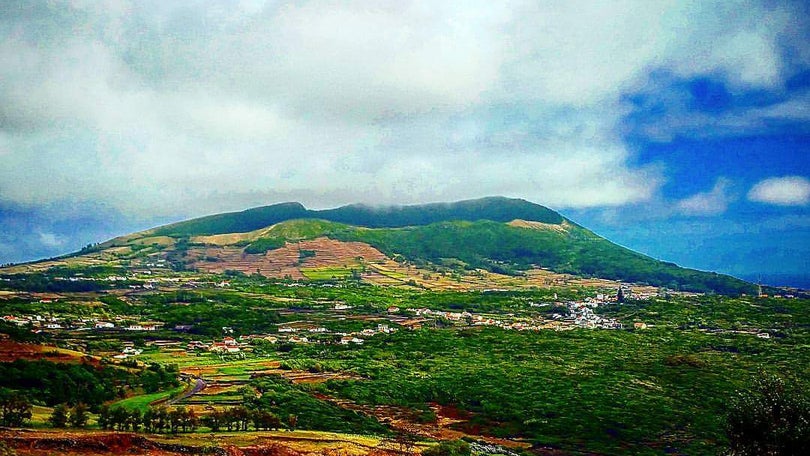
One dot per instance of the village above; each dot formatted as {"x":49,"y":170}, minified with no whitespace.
{"x":314,"y":329}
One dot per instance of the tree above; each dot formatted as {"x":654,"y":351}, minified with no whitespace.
{"x":264,"y":420}
{"x":191,"y":420}
{"x":133,"y":420}
{"x":161,"y":419}
{"x":769,"y":419}
{"x":149,"y":420}
{"x":14,"y":409}
{"x":176,"y":419}
{"x":228,"y":418}
{"x":213,"y":420}
{"x":59,"y":417}
{"x":118,"y":419}
{"x":241,"y":416}
{"x":104,"y":417}
{"x":78,"y":416}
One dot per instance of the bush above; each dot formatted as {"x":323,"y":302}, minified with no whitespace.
{"x":771,"y":418}
{"x":451,"y":448}
{"x":15,"y":409}
{"x":59,"y":417}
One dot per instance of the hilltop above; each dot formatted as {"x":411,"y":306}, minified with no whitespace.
{"x":496,"y":209}
{"x":489,"y":241}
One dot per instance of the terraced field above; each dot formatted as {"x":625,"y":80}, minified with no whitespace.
{"x":327,"y":254}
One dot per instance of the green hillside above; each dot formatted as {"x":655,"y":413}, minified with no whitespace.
{"x":475,"y":232}
{"x":235,"y":222}
{"x":292,"y":230}
{"x":497,"y":209}
{"x":503,"y":248}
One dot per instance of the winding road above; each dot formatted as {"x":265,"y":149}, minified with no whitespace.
{"x":199,"y":385}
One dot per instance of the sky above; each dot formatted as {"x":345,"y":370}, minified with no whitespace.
{"x":680,"y":129}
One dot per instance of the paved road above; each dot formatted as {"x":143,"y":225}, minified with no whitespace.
{"x":199,"y":385}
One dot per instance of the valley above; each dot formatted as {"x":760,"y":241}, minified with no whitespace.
{"x":313,"y":337}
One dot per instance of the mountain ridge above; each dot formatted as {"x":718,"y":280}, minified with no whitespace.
{"x":496,"y":208}
{"x":500,"y":235}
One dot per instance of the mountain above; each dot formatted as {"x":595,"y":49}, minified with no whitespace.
{"x":419,"y":245}
{"x":497,"y":209}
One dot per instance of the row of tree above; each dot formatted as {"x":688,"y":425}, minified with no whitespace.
{"x":63,"y":416}
{"x":160,"y":419}
{"x":50,"y":383}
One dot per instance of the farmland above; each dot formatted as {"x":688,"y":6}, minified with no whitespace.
{"x":519,"y":369}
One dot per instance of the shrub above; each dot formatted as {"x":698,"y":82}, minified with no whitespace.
{"x":450,"y":448}
{"x":771,"y":418}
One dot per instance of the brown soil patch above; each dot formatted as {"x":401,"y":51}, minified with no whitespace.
{"x":403,"y":419}
{"x":27,"y":443}
{"x":97,"y":443}
{"x":518,"y":223}
{"x":285,"y":261}
{"x":11,"y":351}
{"x":299,"y":376}
{"x":198,"y":371}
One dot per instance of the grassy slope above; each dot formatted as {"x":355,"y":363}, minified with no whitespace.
{"x":141,"y":402}
{"x":504,"y":248}
{"x":235,"y":222}
{"x":494,"y":208}
{"x":472,"y":231}
{"x":292,"y":230}
{"x":497,"y":246}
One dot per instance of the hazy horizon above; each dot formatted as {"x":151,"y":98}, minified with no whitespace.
{"x":677,"y":129}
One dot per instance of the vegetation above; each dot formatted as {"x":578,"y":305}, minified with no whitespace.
{"x":280,"y":397}
{"x":53,"y":383}
{"x":503,"y":248}
{"x":15,"y":408}
{"x":450,"y":448}
{"x":496,"y":209}
{"x":235,"y":222}
{"x":666,"y":385}
{"x":209,"y":312}
{"x":264,"y":244}
{"x":772,"y":418}
{"x":63,"y":416}
{"x":467,"y":234}
{"x":506,"y":249}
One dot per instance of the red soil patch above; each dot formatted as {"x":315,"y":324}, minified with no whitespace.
{"x":197,"y":370}
{"x":405,"y":420}
{"x":26,"y":443}
{"x":299,"y":376}
{"x":285,"y":261}
{"x":99,"y":443}
{"x":11,"y":351}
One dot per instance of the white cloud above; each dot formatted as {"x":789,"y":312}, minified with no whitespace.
{"x":177,"y":108}
{"x":782,"y":191}
{"x":50,"y":239}
{"x":713,"y":202}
